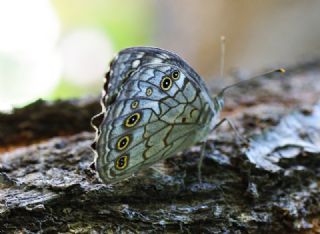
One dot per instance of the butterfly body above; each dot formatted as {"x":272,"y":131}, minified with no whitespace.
{"x":154,"y":106}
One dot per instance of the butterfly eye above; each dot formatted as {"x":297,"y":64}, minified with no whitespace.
{"x":134,"y":104}
{"x":175,"y":74}
{"x":149,"y":91}
{"x":132,"y":120}
{"x":123,"y":142}
{"x":121,"y":162}
{"x":166,"y":83}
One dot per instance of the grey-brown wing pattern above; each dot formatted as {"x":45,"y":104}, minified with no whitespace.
{"x":157,"y":111}
{"x":129,"y":60}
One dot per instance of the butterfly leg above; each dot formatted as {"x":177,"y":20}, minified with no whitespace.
{"x":202,"y":153}
{"x":235,"y":130}
{"x":160,"y":168}
{"x":160,"y":171}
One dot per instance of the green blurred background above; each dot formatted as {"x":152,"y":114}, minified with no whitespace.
{"x":61,"y":49}
{"x":112,"y":24}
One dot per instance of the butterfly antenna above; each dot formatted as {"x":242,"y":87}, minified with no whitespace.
{"x":222,"y":58}
{"x":265,"y":75}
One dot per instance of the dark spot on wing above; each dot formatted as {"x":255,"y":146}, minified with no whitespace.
{"x":106,"y":83}
{"x":94,"y":146}
{"x":111,"y":99}
{"x":97,"y":120}
{"x":92,"y":166}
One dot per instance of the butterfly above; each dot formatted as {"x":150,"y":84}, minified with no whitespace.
{"x":154,"y":105}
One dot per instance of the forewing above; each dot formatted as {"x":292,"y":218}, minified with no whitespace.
{"x":131,"y":59}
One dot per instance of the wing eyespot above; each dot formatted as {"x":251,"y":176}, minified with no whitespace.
{"x":166,"y":83}
{"x":123,"y":142}
{"x":134,"y":104}
{"x":121,"y":162}
{"x":175,"y":75}
{"x":132,"y":120}
{"x":149,"y":91}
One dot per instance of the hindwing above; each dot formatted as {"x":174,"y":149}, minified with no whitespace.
{"x":159,"y":109}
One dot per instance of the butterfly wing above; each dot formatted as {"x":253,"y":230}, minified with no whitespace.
{"x":129,"y":60}
{"x":157,"y":111}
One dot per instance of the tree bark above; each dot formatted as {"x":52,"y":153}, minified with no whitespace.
{"x":271,"y":185}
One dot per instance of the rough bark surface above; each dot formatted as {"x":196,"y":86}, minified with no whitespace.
{"x":271,"y":185}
